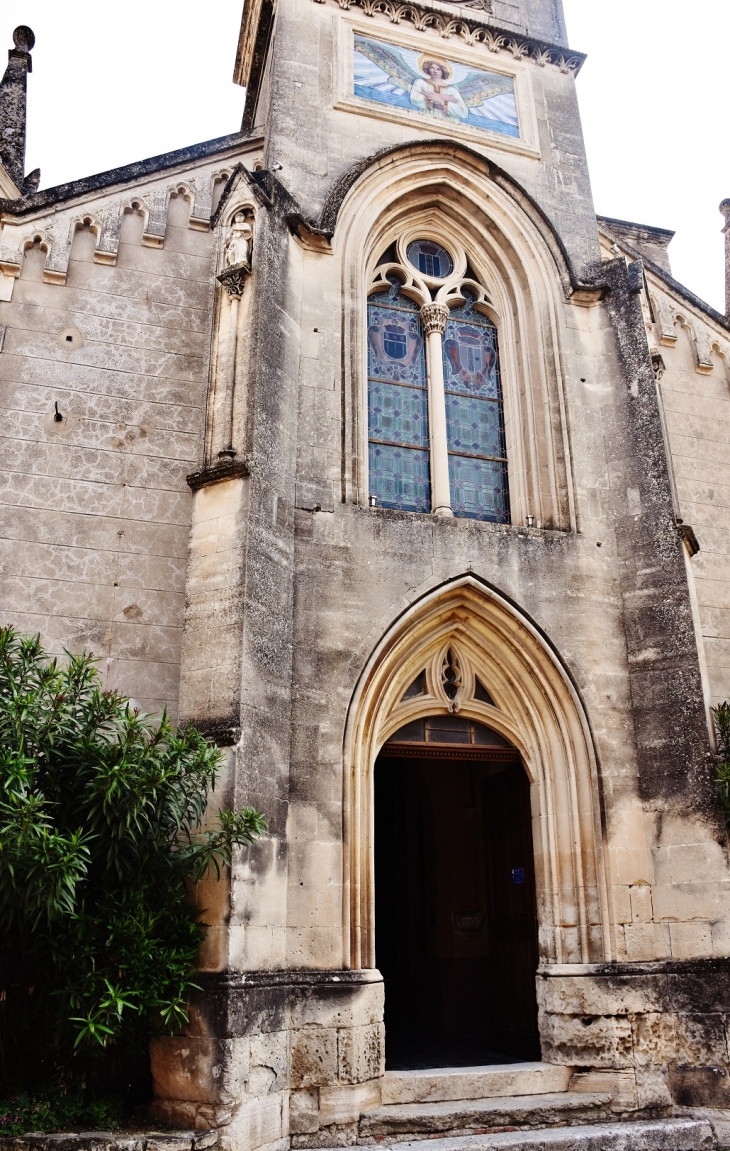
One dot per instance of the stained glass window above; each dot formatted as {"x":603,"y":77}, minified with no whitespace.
{"x":430,"y":259}
{"x":474,"y":417}
{"x":397,"y":404}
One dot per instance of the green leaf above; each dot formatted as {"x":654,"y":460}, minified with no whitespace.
{"x":104,"y":825}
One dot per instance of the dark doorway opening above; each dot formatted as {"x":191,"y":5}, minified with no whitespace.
{"x":455,"y":917}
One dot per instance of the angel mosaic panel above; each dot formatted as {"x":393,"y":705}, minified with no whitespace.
{"x":429,"y":84}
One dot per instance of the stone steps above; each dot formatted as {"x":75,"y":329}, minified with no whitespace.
{"x":439,"y":1085}
{"x":653,"y":1135}
{"x":396,"y":1122}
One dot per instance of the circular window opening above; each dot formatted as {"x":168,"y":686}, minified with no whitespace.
{"x":430,"y":259}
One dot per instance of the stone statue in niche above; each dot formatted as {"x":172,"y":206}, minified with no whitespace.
{"x":239,"y":242}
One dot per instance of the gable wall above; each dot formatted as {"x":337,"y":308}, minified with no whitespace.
{"x":697,"y":410}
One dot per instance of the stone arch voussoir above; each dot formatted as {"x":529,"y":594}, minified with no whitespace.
{"x":536,"y":707}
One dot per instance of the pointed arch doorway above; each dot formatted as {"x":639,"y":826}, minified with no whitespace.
{"x":464,"y":650}
{"x":455,"y":911}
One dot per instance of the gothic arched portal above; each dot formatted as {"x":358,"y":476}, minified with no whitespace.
{"x":471,"y":653}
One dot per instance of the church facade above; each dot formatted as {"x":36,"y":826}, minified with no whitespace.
{"x":358,"y":440}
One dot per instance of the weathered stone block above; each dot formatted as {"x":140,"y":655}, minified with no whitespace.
{"x":587,"y":1040}
{"x":313,"y":1057}
{"x":338,"y":1135}
{"x":193,"y":1068}
{"x":339,"y":1005}
{"x":700,"y":1040}
{"x":602,"y":995}
{"x":304,"y":1111}
{"x":620,"y":1085}
{"x":361,"y":1053}
{"x":700,"y":1086}
{"x":339,"y":1105}
{"x":255,"y":1123}
{"x":653,"y":1038}
{"x":652,"y":1089}
{"x":268,"y":1062}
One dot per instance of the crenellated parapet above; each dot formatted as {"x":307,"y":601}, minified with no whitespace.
{"x":53,"y":227}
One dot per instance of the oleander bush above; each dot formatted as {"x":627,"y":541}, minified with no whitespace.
{"x":58,"y":1110}
{"x":721,"y":718}
{"x":101,"y":837}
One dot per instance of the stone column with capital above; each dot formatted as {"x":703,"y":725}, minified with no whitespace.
{"x":725,"y":209}
{"x":233,"y":280}
{"x":434,"y":318}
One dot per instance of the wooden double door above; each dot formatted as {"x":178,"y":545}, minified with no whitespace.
{"x":455,"y":918}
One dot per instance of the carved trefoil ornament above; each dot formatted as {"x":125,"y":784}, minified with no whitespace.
{"x":449,"y":681}
{"x":452,"y":679}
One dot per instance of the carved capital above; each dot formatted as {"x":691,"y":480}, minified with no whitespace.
{"x":434,"y":318}
{"x":234,"y":279}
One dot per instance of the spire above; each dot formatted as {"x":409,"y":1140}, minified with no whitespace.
{"x":725,"y":209}
{"x":13,"y":107}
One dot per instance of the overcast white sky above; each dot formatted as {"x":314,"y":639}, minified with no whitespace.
{"x":113,"y":83}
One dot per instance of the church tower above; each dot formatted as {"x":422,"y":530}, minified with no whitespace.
{"x":459,"y":661}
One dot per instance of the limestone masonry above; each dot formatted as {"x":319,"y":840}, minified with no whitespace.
{"x":358,"y":440}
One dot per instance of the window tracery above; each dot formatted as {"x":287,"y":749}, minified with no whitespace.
{"x":435,"y":407}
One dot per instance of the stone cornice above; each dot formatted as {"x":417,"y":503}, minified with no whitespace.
{"x":217,"y":473}
{"x":469,"y":26}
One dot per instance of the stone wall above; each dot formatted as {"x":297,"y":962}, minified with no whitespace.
{"x":653,"y":1034}
{"x":105,"y":322}
{"x":696,"y":399}
{"x":273,"y":1055}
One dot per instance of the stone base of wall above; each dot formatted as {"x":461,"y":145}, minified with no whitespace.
{"x":273,"y":1057}
{"x":656,"y":1034}
{"x":274,"y":1054}
{"x":113,"y":1141}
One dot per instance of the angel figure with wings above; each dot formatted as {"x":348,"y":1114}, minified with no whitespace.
{"x":431,"y":89}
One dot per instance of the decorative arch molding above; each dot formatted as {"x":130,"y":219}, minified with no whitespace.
{"x":450,"y":192}
{"x":391,"y":155}
{"x":535,"y":706}
{"x":704,"y":340}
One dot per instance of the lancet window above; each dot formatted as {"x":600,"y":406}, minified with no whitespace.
{"x":398,"y":403}
{"x":435,"y":412}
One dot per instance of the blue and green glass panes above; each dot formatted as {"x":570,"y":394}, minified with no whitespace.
{"x":475,"y":417}
{"x":430,"y":259}
{"x":397,"y":404}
